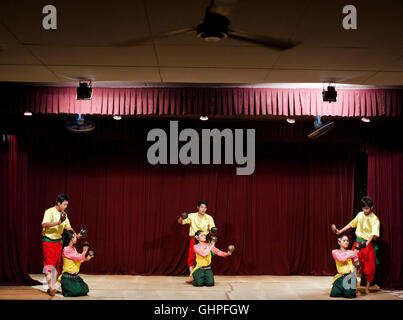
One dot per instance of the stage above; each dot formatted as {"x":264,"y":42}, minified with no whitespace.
{"x":126,"y":287}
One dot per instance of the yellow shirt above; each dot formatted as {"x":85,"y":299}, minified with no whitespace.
{"x":196,"y":223}
{"x":201,"y":262}
{"x":343,"y":267}
{"x":71,"y":261}
{"x":366,"y":225}
{"x":53,"y":215}
{"x":71,"y":266}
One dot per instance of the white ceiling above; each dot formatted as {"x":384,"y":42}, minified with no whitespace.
{"x":82,"y":44}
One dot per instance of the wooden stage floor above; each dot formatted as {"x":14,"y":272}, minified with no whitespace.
{"x":125,"y":287}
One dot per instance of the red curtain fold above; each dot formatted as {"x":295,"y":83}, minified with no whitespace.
{"x":385,"y":179}
{"x":214,"y":101}
{"x":14,"y":218}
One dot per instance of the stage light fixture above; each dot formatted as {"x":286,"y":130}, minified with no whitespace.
{"x":117,"y":117}
{"x":291,"y":120}
{"x":365,"y":119}
{"x":203,"y":118}
{"x":84,"y":91}
{"x":27,"y":113}
{"x":329,"y":95}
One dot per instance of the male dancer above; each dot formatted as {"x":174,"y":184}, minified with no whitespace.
{"x":54,"y":222}
{"x":199,"y":220}
{"x":367,"y":229}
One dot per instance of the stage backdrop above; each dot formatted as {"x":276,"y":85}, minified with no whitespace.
{"x":278,"y":218}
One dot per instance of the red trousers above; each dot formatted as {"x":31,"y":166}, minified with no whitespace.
{"x":191,"y":255}
{"x":367,"y":260}
{"x":52,"y":255}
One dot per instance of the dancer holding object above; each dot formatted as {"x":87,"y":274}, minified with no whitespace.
{"x":202,"y":273}
{"x":367,"y":230}
{"x":199,"y":220}
{"x":54,"y":222}
{"x":345,"y":281}
{"x":72,"y":284}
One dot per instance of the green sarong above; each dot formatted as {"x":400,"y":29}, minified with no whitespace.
{"x":345,"y":286}
{"x":203,"y":276}
{"x":46,"y":239}
{"x":73,"y":285}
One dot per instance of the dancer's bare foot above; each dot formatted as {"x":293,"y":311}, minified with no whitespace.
{"x":189,"y":280}
{"x":367,"y":288}
{"x":51,"y":292}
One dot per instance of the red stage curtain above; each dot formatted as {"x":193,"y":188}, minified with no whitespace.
{"x":212,"y":101}
{"x":278,"y":218}
{"x":13,"y":215}
{"x":385,"y":177}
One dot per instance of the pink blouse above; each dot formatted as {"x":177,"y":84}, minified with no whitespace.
{"x":341,"y":256}
{"x":204,"y":250}
{"x":71,"y":253}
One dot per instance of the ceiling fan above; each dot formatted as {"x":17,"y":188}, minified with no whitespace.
{"x":79,"y":125}
{"x":320,"y":128}
{"x":215,"y":27}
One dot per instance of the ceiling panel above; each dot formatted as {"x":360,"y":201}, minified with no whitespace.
{"x":84,"y":43}
{"x":99,"y":73}
{"x":213,"y":75}
{"x":26,"y":73}
{"x":379,"y":24}
{"x":13,"y":54}
{"x":210,"y":55}
{"x":386,"y":79}
{"x":78,"y":22}
{"x":60,"y":55}
{"x":317,"y":76}
{"x":337,"y":58}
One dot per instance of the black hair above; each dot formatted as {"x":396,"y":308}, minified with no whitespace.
{"x":202,"y":202}
{"x":343,"y":235}
{"x":366,"y":202}
{"x":196,"y":234}
{"x":340,"y":236}
{"x":61,"y":197}
{"x":67,"y":236}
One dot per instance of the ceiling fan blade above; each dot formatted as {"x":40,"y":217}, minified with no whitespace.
{"x":134,"y":42}
{"x":273,"y":43}
{"x":223,"y":7}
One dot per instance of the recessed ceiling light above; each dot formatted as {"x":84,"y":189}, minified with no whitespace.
{"x":290,"y":120}
{"x":117,"y":117}
{"x":27,"y":113}
{"x":365,"y":119}
{"x":203,"y":118}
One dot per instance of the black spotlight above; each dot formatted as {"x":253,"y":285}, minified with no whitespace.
{"x":330,"y":95}
{"x":84,"y":92}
